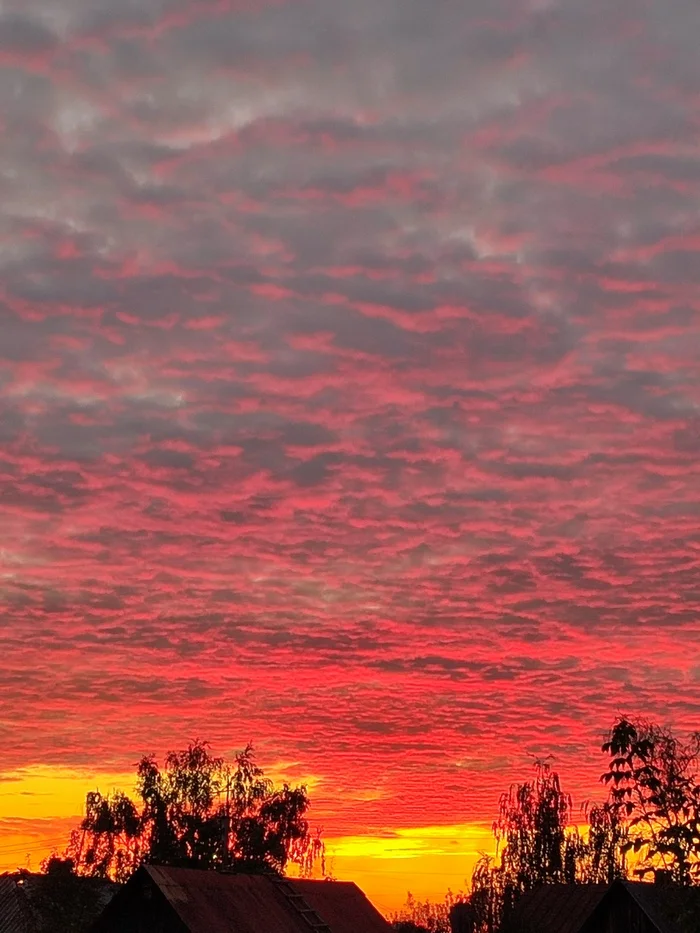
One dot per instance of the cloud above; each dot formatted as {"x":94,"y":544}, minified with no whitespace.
{"x":348,"y":362}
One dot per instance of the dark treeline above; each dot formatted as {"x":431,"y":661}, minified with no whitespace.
{"x":648,"y":828}
{"x":202,"y":811}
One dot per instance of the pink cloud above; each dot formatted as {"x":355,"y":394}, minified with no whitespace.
{"x":349,"y":390}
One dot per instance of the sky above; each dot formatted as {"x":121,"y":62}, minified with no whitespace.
{"x":349,"y":402}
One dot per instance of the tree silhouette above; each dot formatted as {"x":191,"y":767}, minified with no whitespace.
{"x":653,"y":809}
{"x":201,"y":811}
{"x":109,"y":842}
{"x":601,"y":859}
{"x":537,"y":843}
{"x":532,"y":844}
{"x":426,"y":916}
{"x":181,"y":813}
{"x":654,"y":783}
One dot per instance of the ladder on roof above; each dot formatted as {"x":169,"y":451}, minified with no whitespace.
{"x":300,"y":904}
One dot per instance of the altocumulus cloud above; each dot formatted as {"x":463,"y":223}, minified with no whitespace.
{"x":349,"y":384}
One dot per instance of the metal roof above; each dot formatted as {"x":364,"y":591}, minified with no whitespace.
{"x":671,"y":908}
{"x":209,"y":902}
{"x":343,"y":906}
{"x":23,"y":904}
{"x":565,"y":908}
{"x":556,"y":908}
{"x":15,"y":916}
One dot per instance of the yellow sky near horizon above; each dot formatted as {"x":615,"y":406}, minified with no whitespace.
{"x":39,"y":805}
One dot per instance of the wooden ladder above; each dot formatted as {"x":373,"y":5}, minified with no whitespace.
{"x":300,"y":904}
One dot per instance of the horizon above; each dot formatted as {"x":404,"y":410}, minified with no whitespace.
{"x":426,"y":862}
{"x":349,"y":401}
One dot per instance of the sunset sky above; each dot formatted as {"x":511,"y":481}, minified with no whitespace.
{"x":349,"y":402}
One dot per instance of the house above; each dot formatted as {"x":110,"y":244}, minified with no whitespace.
{"x":57,"y":900}
{"x":186,"y":900}
{"x":621,"y":907}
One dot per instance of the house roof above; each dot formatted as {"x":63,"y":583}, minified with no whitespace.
{"x":671,"y":908}
{"x":28,"y":899}
{"x":343,"y":906}
{"x":247,"y":903}
{"x":565,"y":908}
{"x":15,"y":916}
{"x":556,"y":908}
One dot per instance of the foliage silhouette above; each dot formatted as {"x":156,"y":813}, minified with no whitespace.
{"x":653,"y":809}
{"x":537,"y":843}
{"x":532,"y":844}
{"x":426,"y":916}
{"x":654,"y":781}
{"x":109,"y":842}
{"x":197,"y":810}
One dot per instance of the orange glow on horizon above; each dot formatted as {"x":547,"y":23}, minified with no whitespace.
{"x":39,"y":806}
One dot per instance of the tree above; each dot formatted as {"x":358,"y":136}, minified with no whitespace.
{"x":654,"y":783}
{"x":537,"y":843}
{"x":424,"y":916}
{"x":109,"y":841}
{"x":601,"y":859}
{"x":197,"y":810}
{"x":182,"y":816}
{"x":533,"y":845}
{"x":531,"y":831}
